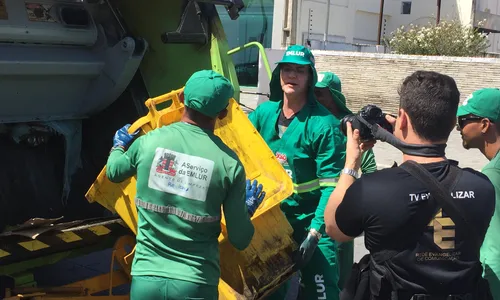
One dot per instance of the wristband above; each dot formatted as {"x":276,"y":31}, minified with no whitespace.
{"x":351,"y":172}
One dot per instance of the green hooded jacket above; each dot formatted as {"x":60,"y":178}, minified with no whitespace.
{"x":312,"y":149}
{"x":332,"y":82}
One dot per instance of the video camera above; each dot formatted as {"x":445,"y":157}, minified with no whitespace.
{"x":370,"y":114}
{"x":372,"y":125}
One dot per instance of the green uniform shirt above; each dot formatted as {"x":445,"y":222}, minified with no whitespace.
{"x":184,"y":175}
{"x":311,"y":150}
{"x":368,"y":164}
{"x":490,"y":250}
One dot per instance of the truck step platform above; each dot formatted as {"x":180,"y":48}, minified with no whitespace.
{"x":42,"y":237}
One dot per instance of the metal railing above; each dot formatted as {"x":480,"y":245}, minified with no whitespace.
{"x":261,"y":51}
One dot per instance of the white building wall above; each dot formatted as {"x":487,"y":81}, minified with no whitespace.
{"x":278,"y":20}
{"x":493,"y":7}
{"x":356,"y":21}
{"x":423,"y":12}
{"x":312,"y":20}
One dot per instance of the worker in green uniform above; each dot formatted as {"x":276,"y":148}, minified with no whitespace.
{"x":479,"y":125}
{"x":307,"y":140}
{"x":328,"y":91}
{"x":185,"y":173}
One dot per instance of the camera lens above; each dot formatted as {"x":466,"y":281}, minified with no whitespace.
{"x":371,"y":113}
{"x":349,"y":118}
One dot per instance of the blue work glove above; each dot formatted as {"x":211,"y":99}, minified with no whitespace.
{"x":306,"y":249}
{"x":255,"y":196}
{"x":122,"y":138}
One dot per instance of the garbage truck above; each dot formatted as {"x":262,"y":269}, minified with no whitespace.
{"x":71,"y":73}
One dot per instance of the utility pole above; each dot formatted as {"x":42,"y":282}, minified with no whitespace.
{"x":438,"y":17}
{"x":380,"y":18}
{"x":325,"y":35}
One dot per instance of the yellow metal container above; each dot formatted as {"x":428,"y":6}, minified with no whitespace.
{"x":248,"y":274}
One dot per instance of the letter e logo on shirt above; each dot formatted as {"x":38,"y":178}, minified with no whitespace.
{"x":180,"y":174}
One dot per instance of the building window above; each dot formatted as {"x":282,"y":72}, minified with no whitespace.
{"x":406,"y":7}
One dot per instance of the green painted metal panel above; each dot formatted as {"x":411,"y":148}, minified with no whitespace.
{"x":165,"y":67}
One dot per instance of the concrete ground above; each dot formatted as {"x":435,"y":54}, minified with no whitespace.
{"x":386,"y":155}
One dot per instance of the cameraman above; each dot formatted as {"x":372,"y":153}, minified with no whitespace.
{"x":389,"y":205}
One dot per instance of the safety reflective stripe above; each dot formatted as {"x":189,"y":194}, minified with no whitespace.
{"x":315,"y":184}
{"x":162,"y":209}
{"x":329,"y":181}
{"x":306,"y":186}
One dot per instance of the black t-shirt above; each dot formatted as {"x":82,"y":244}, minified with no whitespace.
{"x":388,"y":207}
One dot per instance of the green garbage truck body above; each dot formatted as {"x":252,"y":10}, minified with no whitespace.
{"x":72,"y":72}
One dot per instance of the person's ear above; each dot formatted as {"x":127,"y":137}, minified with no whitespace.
{"x":181,"y":97}
{"x":485,"y":125}
{"x":403,"y":119}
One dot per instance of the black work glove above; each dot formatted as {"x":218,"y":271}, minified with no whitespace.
{"x":306,"y":249}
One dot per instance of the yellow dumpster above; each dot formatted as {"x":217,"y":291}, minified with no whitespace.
{"x":266,"y":263}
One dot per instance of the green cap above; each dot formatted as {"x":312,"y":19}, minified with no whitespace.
{"x":294,"y":54}
{"x":332,"y":82}
{"x":483,"y":103}
{"x":299,"y":55}
{"x":208,"y":92}
{"x":329,"y":80}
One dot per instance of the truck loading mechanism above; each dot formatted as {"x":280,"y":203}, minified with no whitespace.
{"x":61,"y":62}
{"x":71,"y":73}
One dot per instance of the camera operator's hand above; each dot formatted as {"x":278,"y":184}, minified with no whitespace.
{"x":355,"y":148}
{"x":391,"y":120}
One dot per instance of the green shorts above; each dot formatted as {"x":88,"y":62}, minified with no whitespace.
{"x":162,"y":288}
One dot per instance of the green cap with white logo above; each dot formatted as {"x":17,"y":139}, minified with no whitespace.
{"x":484,"y":103}
{"x":294,"y":54}
{"x":299,"y":55}
{"x":208,"y":92}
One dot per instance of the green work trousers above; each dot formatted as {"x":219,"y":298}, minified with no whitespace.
{"x":346,"y":259}
{"x":319,"y":278}
{"x":162,"y":288}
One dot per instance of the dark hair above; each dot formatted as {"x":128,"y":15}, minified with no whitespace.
{"x":197,"y":116}
{"x":431,"y":101}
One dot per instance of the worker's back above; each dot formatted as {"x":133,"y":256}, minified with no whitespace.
{"x":184,"y":175}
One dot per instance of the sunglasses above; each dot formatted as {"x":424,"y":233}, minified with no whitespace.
{"x":461,"y":120}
